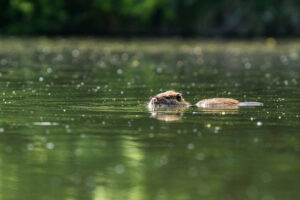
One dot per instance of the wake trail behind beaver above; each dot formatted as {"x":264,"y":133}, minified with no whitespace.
{"x":250,"y":103}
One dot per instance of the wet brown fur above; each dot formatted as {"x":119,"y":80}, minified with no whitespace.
{"x":168,"y":98}
{"x":217,"y":101}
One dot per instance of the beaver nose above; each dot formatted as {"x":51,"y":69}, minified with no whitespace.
{"x":154,"y":99}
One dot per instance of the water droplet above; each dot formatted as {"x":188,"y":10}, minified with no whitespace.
{"x":259,"y":123}
{"x":50,"y":145}
{"x":30,"y":147}
{"x":75,"y":53}
{"x":78,"y":152}
{"x":119,"y":169}
{"x":3,"y":61}
{"x":267,"y":75}
{"x":217,"y":129}
{"x":151,"y":135}
{"x":163,"y":161}
{"x":190,"y":146}
{"x":49,"y":70}
{"x":248,"y":65}
{"x":135,"y":63}
{"x":119,"y":71}
{"x":200,"y":156}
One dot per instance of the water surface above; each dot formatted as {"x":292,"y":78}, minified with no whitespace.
{"x":74,"y":122}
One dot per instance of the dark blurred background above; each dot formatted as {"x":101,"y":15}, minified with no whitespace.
{"x":231,"y":18}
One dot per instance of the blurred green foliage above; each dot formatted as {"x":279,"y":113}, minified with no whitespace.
{"x":151,"y":17}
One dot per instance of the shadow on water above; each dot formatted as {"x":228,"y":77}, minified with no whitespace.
{"x":74,"y":122}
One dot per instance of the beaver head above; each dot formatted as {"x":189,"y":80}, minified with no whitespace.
{"x":167,"y":99}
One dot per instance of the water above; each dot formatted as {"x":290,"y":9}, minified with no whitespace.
{"x":74,"y":122}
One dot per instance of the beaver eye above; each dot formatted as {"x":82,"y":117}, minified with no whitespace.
{"x":178,"y":98}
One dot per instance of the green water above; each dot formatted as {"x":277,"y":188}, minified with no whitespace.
{"x":74,"y":122}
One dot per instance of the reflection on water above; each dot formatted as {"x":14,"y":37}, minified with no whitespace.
{"x":74,"y":122}
{"x":168,"y":114}
{"x":223,"y":110}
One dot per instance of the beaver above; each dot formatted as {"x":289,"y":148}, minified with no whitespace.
{"x":174,"y":99}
